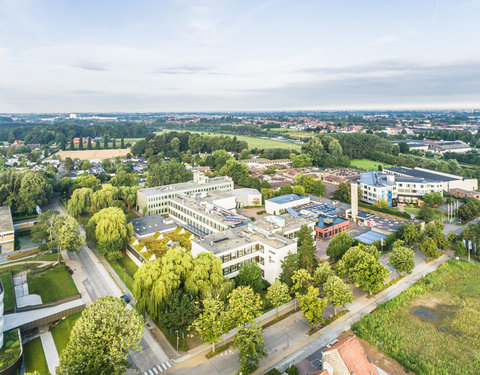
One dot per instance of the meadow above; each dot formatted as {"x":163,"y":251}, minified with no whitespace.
{"x":434,"y":326}
{"x":368,"y":165}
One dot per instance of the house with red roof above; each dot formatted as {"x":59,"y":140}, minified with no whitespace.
{"x":347,"y":357}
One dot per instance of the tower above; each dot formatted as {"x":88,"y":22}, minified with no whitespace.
{"x":354,"y":199}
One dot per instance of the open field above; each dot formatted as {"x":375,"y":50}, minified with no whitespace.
{"x":253,"y":142}
{"x":91,"y":154}
{"x":35,"y":357}
{"x":61,"y":332}
{"x":434,"y":326}
{"x":368,"y":165}
{"x":52,"y":284}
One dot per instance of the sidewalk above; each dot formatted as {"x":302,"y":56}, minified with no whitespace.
{"x":50,"y":350}
{"x":78,"y":277}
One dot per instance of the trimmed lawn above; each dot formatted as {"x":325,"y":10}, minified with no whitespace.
{"x":415,"y":211}
{"x":35,"y":357}
{"x":7,"y":290}
{"x":52,"y":284}
{"x":367,"y":164}
{"x":434,"y":326}
{"x":61,"y":332}
{"x":124,"y":263}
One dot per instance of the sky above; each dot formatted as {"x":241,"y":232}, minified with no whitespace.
{"x":231,"y":55}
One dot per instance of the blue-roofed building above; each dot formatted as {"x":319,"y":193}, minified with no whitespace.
{"x":329,"y":226}
{"x":276,"y":205}
{"x":370,"y":237}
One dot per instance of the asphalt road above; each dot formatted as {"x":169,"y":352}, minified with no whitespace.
{"x":99,"y":283}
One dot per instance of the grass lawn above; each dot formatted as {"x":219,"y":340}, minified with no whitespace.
{"x":35,"y":357}
{"x":52,"y":284}
{"x":61,"y":332}
{"x":253,"y":142}
{"x":7,"y":290}
{"x":368,"y":165}
{"x":434,"y":326}
{"x":438,"y":214}
{"x":131,"y":215}
{"x":125,"y":263}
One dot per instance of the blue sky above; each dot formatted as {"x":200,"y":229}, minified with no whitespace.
{"x":203,"y":55}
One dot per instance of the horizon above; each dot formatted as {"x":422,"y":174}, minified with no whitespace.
{"x":238,"y":56}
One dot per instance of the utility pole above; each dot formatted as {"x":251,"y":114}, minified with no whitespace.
{"x":177,"y":340}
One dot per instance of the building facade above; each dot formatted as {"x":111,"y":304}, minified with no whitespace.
{"x":7,"y":232}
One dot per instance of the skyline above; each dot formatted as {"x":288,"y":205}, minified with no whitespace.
{"x":173,"y":56}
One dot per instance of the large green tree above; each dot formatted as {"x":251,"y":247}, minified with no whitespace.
{"x":250,"y":275}
{"x":67,"y":234}
{"x":34,"y":191}
{"x":211,"y":323}
{"x":339,"y":245}
{"x":401,"y":258}
{"x":101,"y":338}
{"x":290,"y":264}
{"x":80,"y":202}
{"x":244,"y":305}
{"x":322,"y":273}
{"x":166,"y":173}
{"x":277,"y":294}
{"x":177,"y":313}
{"x":307,"y":249}
{"x":337,"y":292}
{"x":312,"y":307}
{"x":251,"y":348}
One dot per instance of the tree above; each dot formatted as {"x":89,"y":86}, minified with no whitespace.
{"x":429,"y":248}
{"x":34,"y":191}
{"x":250,"y":275}
{"x":104,"y":197}
{"x":72,"y":145}
{"x":68,"y":164}
{"x":314,"y":148}
{"x":339,"y":245}
{"x":307,"y":250}
{"x":80,"y":143}
{"x":101,"y":338}
{"x":411,"y":234}
{"x":401,"y":258}
{"x":114,"y":143}
{"x":363,"y":269}
{"x":211,"y":322}
{"x":89,"y":143}
{"x":337,"y":292}
{"x":322,"y":273}
{"x":302,"y":160}
{"x":301,"y":280}
{"x":290,"y":264}
{"x":166,"y":173}
{"x":122,"y":143}
{"x":108,"y":229}
{"x":251,"y":348}
{"x":277,"y":294}
{"x":243,"y":306}
{"x":105,"y":142}
{"x":382,"y":204}
{"x":312,"y":307}
{"x":319,"y":189}
{"x":426,"y":213}
{"x":80,"y":202}
{"x":433,"y":199}
{"x":68,"y":235}
{"x":177,"y":313}
{"x":299,"y":190}
{"x":43,"y":230}
{"x":88,"y":181}
{"x":129,"y":195}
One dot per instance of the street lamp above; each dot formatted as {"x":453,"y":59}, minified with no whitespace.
{"x":177,"y":340}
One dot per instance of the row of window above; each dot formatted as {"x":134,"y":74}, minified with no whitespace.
{"x":190,"y":214}
{"x":236,"y":267}
{"x":193,"y":191}
{"x":241,"y":252}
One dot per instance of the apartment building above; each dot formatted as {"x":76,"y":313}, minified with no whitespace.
{"x":376,"y":186}
{"x":151,"y":201}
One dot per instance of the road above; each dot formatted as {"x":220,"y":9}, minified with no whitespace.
{"x":288,"y":342}
{"x":97,"y":282}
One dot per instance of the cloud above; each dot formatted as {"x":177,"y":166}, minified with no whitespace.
{"x":185,"y":69}
{"x":92,"y":66}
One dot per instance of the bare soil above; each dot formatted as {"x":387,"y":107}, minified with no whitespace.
{"x":91,"y":154}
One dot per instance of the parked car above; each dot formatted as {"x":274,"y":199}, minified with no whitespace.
{"x":54,"y":250}
{"x":125,"y":298}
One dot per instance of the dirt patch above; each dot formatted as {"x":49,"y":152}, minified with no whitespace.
{"x":91,"y":154}
{"x":430,"y":303}
{"x":376,"y":356}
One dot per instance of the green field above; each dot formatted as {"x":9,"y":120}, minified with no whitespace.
{"x":61,"y":332}
{"x":368,"y":165}
{"x":434,"y":326}
{"x":124,"y":263}
{"x":35,"y":357}
{"x":438,"y":214}
{"x":7,"y":290}
{"x":253,"y":142}
{"x":52,"y":284}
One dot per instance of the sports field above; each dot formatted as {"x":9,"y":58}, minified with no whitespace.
{"x":434,"y":326}
{"x":367,"y":164}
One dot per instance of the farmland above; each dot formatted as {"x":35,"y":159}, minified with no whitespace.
{"x":434,"y":326}
{"x":92,"y":154}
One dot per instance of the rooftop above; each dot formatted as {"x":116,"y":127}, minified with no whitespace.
{"x":220,"y":242}
{"x":143,"y":226}
{"x":324,"y":222}
{"x":6,"y":223}
{"x":374,"y":178}
{"x":287,"y":198}
{"x":183,"y":186}
{"x":427,"y":175}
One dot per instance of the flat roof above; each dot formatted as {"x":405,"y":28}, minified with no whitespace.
{"x":335,"y":221}
{"x":6,"y":222}
{"x":220,"y":242}
{"x":150,"y":224}
{"x":370,"y":237}
{"x":178,"y":188}
{"x":374,"y":178}
{"x":431,"y":176}
{"x":282,"y":199}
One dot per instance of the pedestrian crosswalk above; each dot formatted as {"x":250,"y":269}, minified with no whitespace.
{"x":157,"y":369}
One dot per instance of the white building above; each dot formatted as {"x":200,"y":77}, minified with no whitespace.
{"x":247,"y":197}
{"x":276,"y":205}
{"x":376,"y":186}
{"x":247,"y":244}
{"x":154,"y":200}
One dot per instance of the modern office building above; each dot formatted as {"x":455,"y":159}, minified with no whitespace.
{"x":7,"y":233}
{"x":276,"y":205}
{"x":376,"y":186}
{"x":154,"y":200}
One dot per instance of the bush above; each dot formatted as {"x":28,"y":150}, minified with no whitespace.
{"x":261,"y":212}
{"x":292,"y":370}
{"x":273,"y":371}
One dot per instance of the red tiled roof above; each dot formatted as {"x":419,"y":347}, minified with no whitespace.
{"x":354,"y":356}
